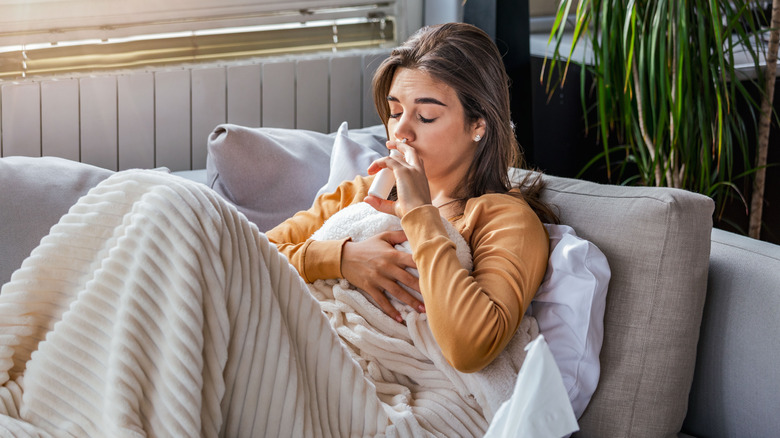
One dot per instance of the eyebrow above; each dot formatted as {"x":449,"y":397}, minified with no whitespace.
{"x":419,"y":100}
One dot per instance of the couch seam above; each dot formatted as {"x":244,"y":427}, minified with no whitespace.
{"x":743,"y":249}
{"x":663,"y":201}
{"x":652,"y":314}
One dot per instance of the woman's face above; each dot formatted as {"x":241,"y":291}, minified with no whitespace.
{"x":430,"y":116}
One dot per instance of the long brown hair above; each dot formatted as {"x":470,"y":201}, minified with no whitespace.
{"x":464,"y":57}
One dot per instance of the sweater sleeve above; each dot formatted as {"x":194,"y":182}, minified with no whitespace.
{"x":317,"y":260}
{"x":474,"y":315}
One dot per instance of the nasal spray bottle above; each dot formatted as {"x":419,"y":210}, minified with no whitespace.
{"x":384,"y":180}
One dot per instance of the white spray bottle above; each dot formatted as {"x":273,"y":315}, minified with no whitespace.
{"x":384,"y":180}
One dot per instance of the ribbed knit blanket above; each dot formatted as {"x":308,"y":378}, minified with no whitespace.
{"x":154,"y":308}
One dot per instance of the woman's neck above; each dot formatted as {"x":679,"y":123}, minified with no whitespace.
{"x":448,"y":207}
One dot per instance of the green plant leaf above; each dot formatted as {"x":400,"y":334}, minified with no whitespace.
{"x":665,"y":86}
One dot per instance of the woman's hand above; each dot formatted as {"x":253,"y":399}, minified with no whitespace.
{"x":410,"y":181}
{"x":375,"y":266}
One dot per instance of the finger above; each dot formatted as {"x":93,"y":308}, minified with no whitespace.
{"x":409,"y":153}
{"x":388,"y":160}
{"x":398,"y":291}
{"x":377,"y":165}
{"x":394,"y":238}
{"x":384,"y":304}
{"x":395,"y":143}
{"x":411,"y":281}
{"x":406,"y":259}
{"x":380,"y":204}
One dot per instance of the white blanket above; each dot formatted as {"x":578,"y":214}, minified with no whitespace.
{"x":153,"y":308}
{"x":404,"y":361}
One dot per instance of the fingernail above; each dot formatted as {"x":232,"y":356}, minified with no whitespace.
{"x":399,"y":318}
{"x":421,"y":308}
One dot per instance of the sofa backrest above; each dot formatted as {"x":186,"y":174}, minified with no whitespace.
{"x":736,"y":386}
{"x":657,"y":241}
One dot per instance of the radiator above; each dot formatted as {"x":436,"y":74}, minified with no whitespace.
{"x":162,"y":117}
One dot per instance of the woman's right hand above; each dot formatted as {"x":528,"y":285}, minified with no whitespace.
{"x":410,"y":180}
{"x":376,"y":267}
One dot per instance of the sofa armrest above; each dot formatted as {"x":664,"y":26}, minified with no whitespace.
{"x":736,"y":386}
{"x":36,"y":192}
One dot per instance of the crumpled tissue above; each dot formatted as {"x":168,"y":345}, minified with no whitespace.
{"x":539,"y":406}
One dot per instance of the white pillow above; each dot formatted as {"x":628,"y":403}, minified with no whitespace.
{"x":569,"y":307}
{"x":348,"y":159}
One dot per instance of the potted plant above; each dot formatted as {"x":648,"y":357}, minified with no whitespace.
{"x":666,"y":82}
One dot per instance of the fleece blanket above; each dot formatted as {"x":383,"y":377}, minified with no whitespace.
{"x":404,"y":361}
{"x":154,"y":308}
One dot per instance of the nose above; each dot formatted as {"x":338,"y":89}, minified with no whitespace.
{"x":404,"y":129}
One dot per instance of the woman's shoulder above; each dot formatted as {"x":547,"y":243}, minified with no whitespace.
{"x":500,"y":210}
{"x":510,"y":202}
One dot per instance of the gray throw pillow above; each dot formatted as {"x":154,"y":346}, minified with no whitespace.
{"x":270,"y":174}
{"x":36,"y":192}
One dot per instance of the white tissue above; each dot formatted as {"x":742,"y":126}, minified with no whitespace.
{"x":539,"y":406}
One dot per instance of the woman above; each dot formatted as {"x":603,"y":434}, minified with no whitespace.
{"x":443,"y":97}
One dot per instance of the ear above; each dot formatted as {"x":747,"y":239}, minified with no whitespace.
{"x":478,"y":128}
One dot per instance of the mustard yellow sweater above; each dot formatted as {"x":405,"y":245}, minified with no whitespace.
{"x":472,"y":315}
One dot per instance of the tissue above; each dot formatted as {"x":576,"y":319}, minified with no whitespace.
{"x":539,"y":406}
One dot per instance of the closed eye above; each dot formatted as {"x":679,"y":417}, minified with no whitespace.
{"x":419,"y":117}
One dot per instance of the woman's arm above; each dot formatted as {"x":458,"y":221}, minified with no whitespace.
{"x":316,"y":260}
{"x":473,"y":316}
{"x":373,"y":265}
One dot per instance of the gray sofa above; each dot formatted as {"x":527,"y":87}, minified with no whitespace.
{"x":691,"y":341}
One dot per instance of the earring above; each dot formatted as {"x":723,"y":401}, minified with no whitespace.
{"x":477,"y":137}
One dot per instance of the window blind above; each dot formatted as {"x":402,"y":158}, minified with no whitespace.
{"x":44,"y":37}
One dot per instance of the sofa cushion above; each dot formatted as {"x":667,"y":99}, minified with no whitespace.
{"x":272,"y":173}
{"x":36,"y":192}
{"x":737,"y":379}
{"x":657,"y":242}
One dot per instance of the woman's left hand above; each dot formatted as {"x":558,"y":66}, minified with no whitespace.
{"x":410,"y":181}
